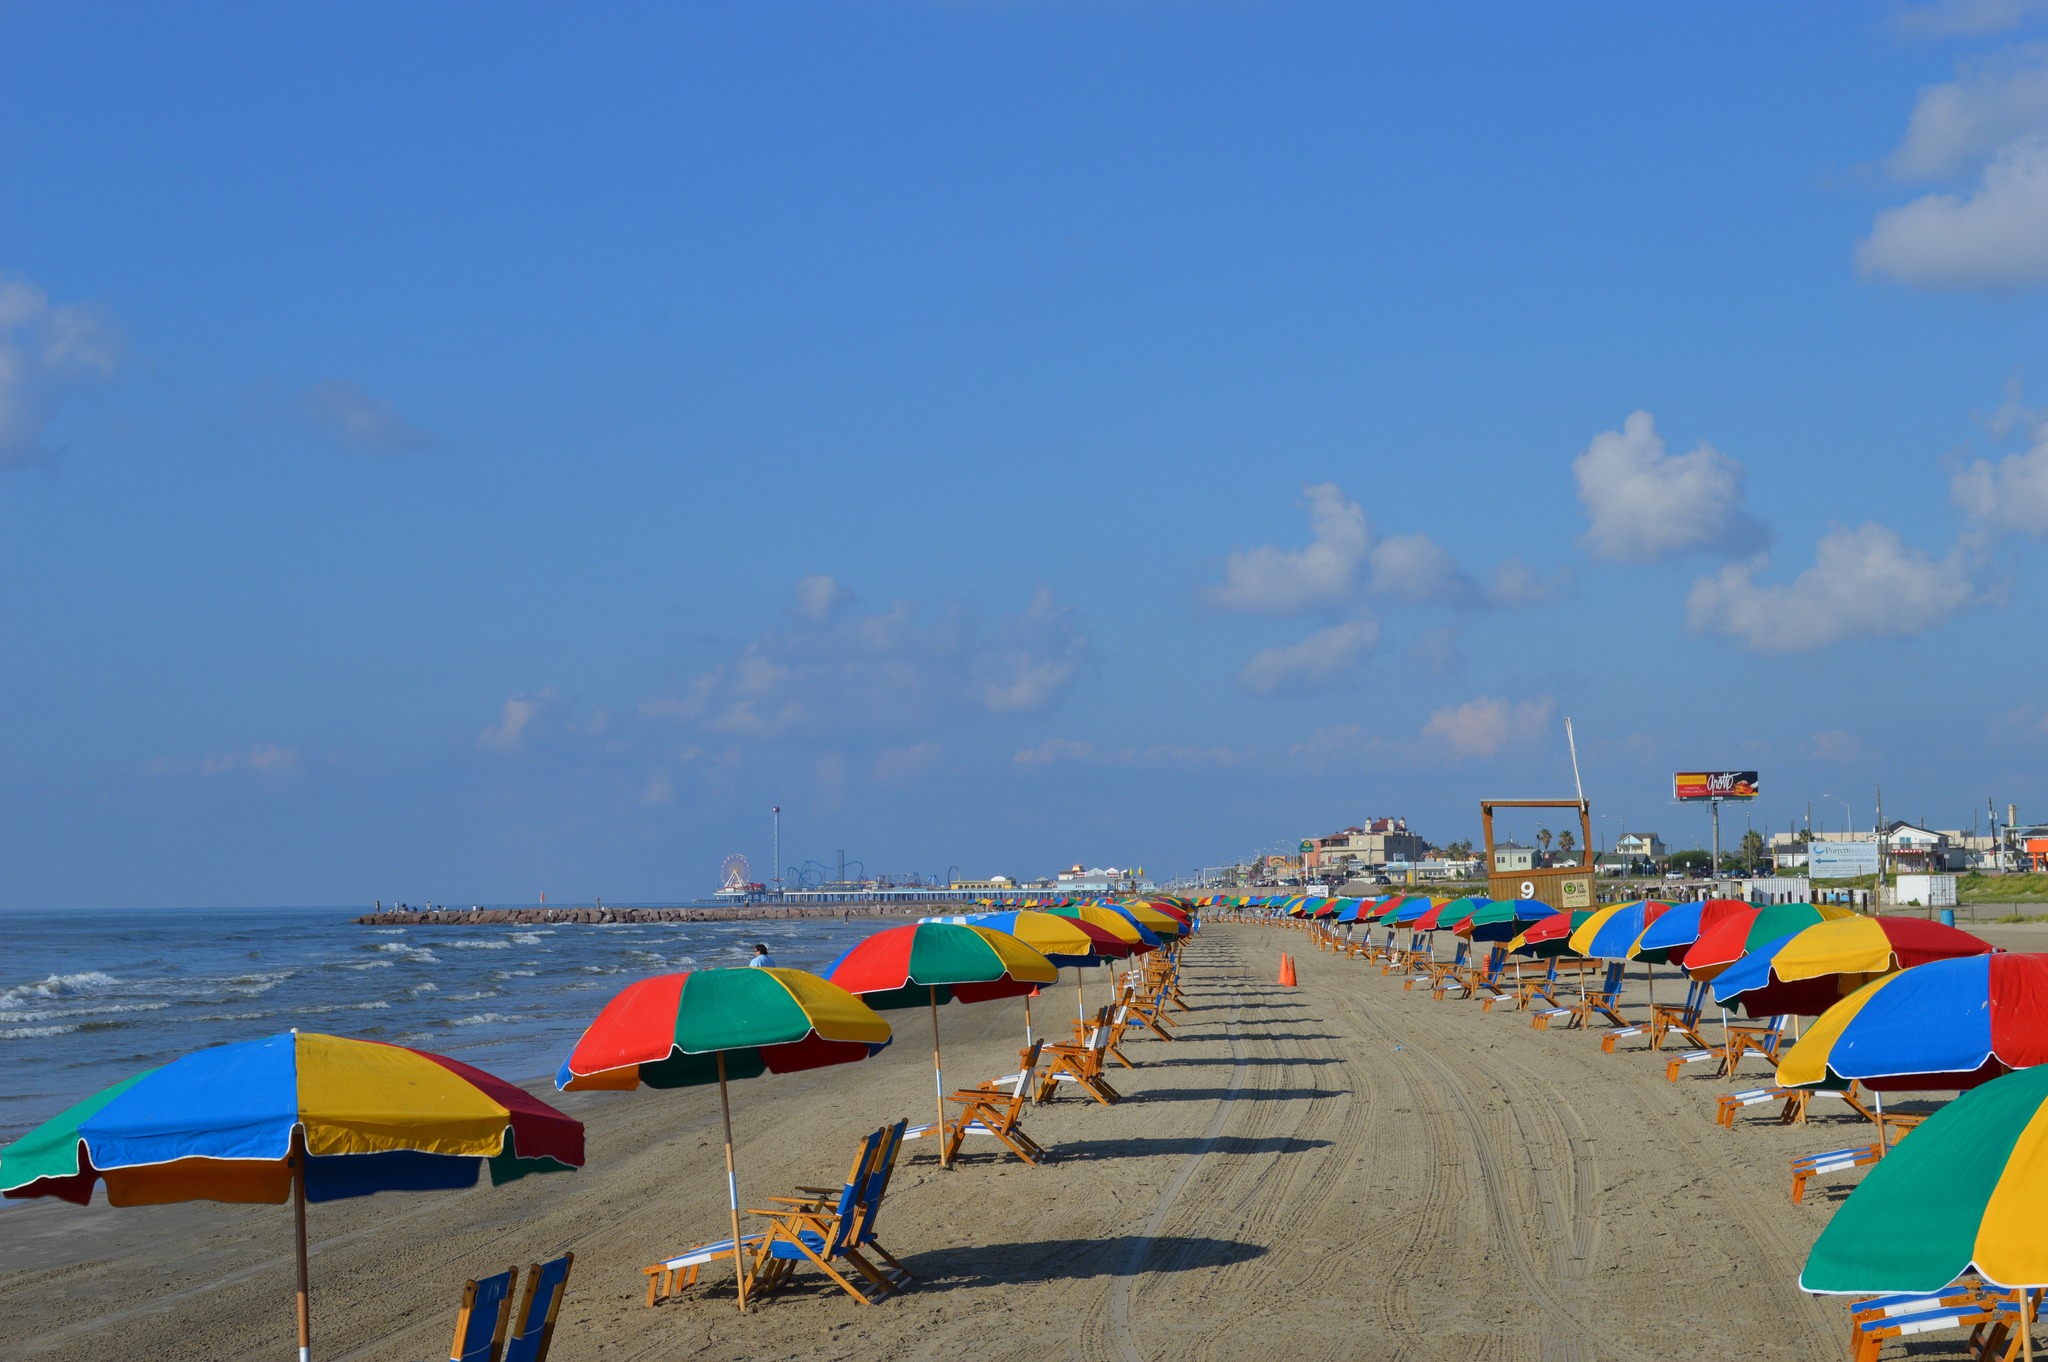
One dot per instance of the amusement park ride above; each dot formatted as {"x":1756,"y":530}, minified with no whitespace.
{"x":735,"y":877}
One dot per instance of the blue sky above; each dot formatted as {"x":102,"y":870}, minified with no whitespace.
{"x":476,"y":453}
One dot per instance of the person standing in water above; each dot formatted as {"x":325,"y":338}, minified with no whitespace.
{"x":761,"y":960}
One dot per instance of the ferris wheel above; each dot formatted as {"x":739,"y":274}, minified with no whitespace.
{"x":734,"y":875}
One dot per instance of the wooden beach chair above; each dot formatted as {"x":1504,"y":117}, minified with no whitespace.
{"x":1796,"y":1101}
{"x":1990,"y":1316}
{"x":879,"y":1173}
{"x":1522,"y":981}
{"x":1434,"y":972}
{"x":533,"y":1328}
{"x":671,"y":1276}
{"x":480,"y":1319}
{"x":1682,"y":1018}
{"x":1472,"y":978}
{"x":1080,"y":1064}
{"x":992,"y":1108}
{"x":1765,"y":1040}
{"x":821,"y":1233}
{"x":1602,"y":999}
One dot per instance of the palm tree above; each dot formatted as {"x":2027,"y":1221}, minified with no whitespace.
{"x":1565,"y":842}
{"x":1543,"y":839}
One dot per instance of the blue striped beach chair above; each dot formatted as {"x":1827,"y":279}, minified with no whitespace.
{"x":1991,"y":1317}
{"x":539,"y":1305}
{"x":825,"y":1233}
{"x":480,"y":1320}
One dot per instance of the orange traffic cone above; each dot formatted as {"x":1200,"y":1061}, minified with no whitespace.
{"x":1286,"y":970}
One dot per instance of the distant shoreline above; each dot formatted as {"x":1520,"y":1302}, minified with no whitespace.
{"x":528,"y":917}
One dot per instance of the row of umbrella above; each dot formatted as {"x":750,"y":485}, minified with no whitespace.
{"x":304,"y":1117}
{"x":1903,"y":1004}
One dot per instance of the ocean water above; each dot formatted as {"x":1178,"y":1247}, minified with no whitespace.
{"x":87,"y":999}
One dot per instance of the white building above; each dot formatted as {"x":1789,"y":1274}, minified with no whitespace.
{"x":1512,"y":858}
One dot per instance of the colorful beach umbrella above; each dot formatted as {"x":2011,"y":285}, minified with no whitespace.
{"x":1738,"y":932}
{"x":715,"y":1025}
{"x":1968,"y":1191}
{"x":1610,"y":931}
{"x":1668,"y":940}
{"x":1551,"y":936}
{"x":928,"y":963}
{"x":295,"y":1117}
{"x":1063,"y":940}
{"x":1809,"y":971}
{"x":1949,"y":1024}
{"x":1502,"y":919}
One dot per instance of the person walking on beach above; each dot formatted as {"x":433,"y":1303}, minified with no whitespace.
{"x":761,"y":960}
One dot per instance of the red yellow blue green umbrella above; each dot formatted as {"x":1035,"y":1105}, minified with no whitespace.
{"x":935,"y":962}
{"x":1551,"y":936}
{"x":1948,"y":1024}
{"x":1967,"y":1192}
{"x":293,"y":1117}
{"x":1063,"y":940}
{"x":712,"y":1025}
{"x":1502,"y":919}
{"x":1813,"y":968}
{"x":1743,"y":929}
{"x":1670,"y":938}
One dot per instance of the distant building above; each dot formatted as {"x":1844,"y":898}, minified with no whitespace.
{"x":1512,"y":858}
{"x":1641,"y":846}
{"x":1910,"y":847}
{"x":994,"y":884}
{"x":1378,"y":842}
{"x":1099,"y":880}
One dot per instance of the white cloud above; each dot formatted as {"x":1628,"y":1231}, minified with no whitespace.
{"x":1967,"y":18}
{"x":43,"y":348}
{"x":1995,"y":239}
{"x":1864,"y":583}
{"x":659,"y":790}
{"x":2009,"y":495}
{"x":1834,"y":744}
{"x":1414,"y":567}
{"x":1337,"y":744}
{"x":1322,"y":658}
{"x":1955,"y":125}
{"x":833,"y":668}
{"x":265,"y":758}
{"x":360,"y":419}
{"x":1055,"y":751}
{"x":1514,"y":583}
{"x":1643,"y":504}
{"x":897,"y":765}
{"x":1286,"y":581}
{"x":509,"y":733}
{"x":1482,"y":727}
{"x":817,"y":596}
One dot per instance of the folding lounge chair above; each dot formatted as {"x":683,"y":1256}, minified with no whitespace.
{"x":821,"y":1233}
{"x":673,"y":1275}
{"x":1765,"y":1040}
{"x":539,"y":1304}
{"x":1962,"y":1305}
{"x":1603,"y":998}
{"x":1080,"y":1064}
{"x":877,"y":1187}
{"x":1434,"y":972}
{"x":480,"y":1320}
{"x":1811,"y":1166}
{"x":1521,"y":984}
{"x":1683,"y":1018}
{"x":1795,"y":1100}
{"x":992,"y":1108}
{"x":1472,"y":978}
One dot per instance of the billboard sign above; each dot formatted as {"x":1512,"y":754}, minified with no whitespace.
{"x":1714,"y":785}
{"x":1841,"y":860}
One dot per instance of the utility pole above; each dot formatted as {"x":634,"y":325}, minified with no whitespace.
{"x":1878,"y":897}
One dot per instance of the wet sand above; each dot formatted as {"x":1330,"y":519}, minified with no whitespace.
{"x":1343,"y":1169}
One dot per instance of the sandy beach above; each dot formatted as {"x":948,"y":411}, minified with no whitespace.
{"x":1342,"y":1169}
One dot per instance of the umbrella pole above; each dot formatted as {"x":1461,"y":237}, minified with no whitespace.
{"x":732,"y":1187}
{"x":1027,"y":1021}
{"x":299,"y":1237}
{"x":938,"y":1076}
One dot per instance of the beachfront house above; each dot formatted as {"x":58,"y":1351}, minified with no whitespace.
{"x":1641,"y":846}
{"x":1512,"y":858}
{"x":1376,"y":842}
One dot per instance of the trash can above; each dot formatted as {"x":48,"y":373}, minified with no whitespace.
{"x":1948,"y":917}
